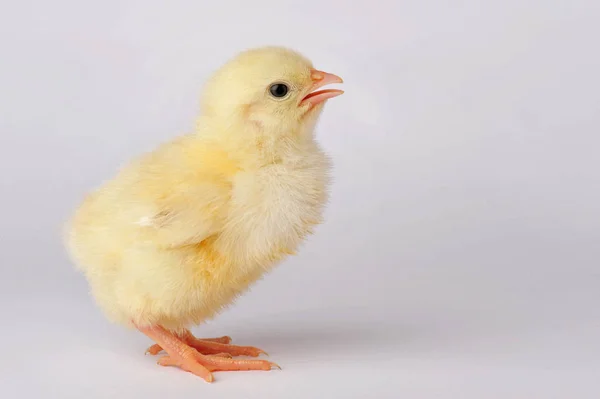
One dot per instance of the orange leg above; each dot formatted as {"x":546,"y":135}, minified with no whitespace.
{"x":189,"y":359}
{"x":212,"y":346}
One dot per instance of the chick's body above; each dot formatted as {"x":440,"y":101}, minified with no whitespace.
{"x":184,"y":229}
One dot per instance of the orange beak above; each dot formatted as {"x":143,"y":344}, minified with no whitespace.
{"x":321,"y":79}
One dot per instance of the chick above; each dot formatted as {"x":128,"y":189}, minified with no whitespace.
{"x":180,"y":232}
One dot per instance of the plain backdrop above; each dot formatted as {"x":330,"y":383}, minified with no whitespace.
{"x":460,"y":255}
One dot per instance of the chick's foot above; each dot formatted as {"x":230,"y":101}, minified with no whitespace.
{"x":189,"y":359}
{"x":212,"y":346}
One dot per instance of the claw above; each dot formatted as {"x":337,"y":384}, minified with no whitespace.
{"x":262,"y":352}
{"x":275,"y":366}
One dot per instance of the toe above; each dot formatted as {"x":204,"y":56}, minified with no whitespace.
{"x":154,"y":350}
{"x":226,"y":355}
{"x":221,"y":340}
{"x":222,"y":364}
{"x":211,"y":348}
{"x":167,"y":361}
{"x":190,"y":365}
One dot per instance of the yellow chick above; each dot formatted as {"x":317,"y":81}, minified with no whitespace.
{"x":183,"y":230}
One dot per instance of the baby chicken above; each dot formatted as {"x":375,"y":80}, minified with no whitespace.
{"x":183,"y":230}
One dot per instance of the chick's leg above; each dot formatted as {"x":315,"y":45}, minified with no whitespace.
{"x":212,"y":346}
{"x":180,"y":354}
{"x":189,"y":359}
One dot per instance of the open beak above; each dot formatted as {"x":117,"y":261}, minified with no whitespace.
{"x":321,"y":79}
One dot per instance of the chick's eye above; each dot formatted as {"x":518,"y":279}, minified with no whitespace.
{"x":279,"y":90}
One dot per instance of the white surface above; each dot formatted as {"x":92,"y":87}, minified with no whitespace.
{"x":460,"y":254}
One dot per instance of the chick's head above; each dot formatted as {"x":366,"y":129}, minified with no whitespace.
{"x":273,"y":89}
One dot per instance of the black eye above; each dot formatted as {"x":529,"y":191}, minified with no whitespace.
{"x":279,"y":90}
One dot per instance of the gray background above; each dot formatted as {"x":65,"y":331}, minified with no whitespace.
{"x":460,"y":254}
